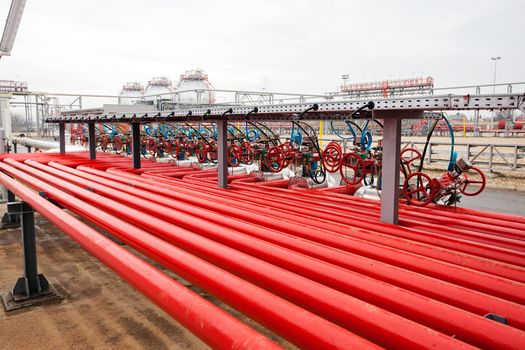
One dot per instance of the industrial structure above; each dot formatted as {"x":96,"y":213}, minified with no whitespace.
{"x":387,"y":88}
{"x":223,"y":196}
{"x":303,"y":215}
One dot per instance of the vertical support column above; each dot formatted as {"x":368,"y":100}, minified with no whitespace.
{"x":390,"y":170}
{"x":32,"y":288}
{"x":92,"y":141}
{"x":222,"y":158}
{"x":135,"y":144}
{"x":62,"y":137}
{"x":30,"y":284}
{"x":2,"y":141}
{"x":9,"y":220}
{"x":5,"y":115}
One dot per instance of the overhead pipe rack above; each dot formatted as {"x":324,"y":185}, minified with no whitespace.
{"x":392,"y":111}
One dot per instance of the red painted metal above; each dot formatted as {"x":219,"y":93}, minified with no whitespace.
{"x":188,"y":216}
{"x":376,"y":324}
{"x":214,"y":326}
{"x":312,"y":332}
{"x":407,"y":286}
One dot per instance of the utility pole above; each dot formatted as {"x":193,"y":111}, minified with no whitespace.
{"x":495,"y":59}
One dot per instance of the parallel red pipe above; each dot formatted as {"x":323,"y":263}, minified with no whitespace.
{"x":321,"y":224}
{"x":329,"y":216}
{"x":277,"y":314}
{"x":482,"y":223}
{"x":211,"y":324}
{"x":419,"y":221}
{"x":439,"y":316}
{"x":477,"y":302}
{"x":455,"y":274}
{"x":326,"y":302}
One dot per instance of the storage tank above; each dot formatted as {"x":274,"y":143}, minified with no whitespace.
{"x":157,"y":86}
{"x":194,"y":88}
{"x":132,"y":93}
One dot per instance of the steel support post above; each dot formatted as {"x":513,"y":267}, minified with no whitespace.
{"x":390,"y":171}
{"x":222,"y":157}
{"x":10,"y":220}
{"x":62,"y":137}
{"x":32,"y":288}
{"x":15,"y":147}
{"x":135,"y":144}
{"x":31,"y":284}
{"x":28,"y":149}
{"x":92,"y":141}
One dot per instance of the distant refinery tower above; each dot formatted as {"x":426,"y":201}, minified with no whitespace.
{"x":158,"y":86}
{"x":131,"y":93}
{"x":386,"y":88}
{"x":194,"y":88}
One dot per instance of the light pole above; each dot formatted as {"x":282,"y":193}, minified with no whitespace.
{"x":495,"y":59}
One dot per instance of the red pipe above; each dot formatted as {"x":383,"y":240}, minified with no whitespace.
{"x":432,"y":267}
{"x":461,"y":297}
{"x":275,"y":313}
{"x":438,"y":236}
{"x":378,"y":325}
{"x":211,"y":324}
{"x":407,"y":305}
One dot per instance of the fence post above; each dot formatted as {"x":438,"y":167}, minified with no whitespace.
{"x":515,"y":163}
{"x":429,"y":159}
{"x":491,"y":157}
{"x":468,"y":151}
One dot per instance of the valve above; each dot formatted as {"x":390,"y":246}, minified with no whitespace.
{"x":408,"y":157}
{"x":234,"y":155}
{"x":419,"y":189}
{"x":468,"y":186}
{"x":247,"y":153}
{"x":275,"y":159}
{"x":332,"y":156}
{"x":352,"y":168}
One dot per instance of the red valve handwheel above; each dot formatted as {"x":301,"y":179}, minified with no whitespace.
{"x":246,"y":153}
{"x":352,"y":168}
{"x":409,"y":156}
{"x":173,"y":148}
{"x":234,"y":155}
{"x":419,"y":189}
{"x":151,"y":146}
{"x":288,"y":153}
{"x":332,"y":156}
{"x":201,"y":151}
{"x":275,"y":159}
{"x":467,"y":187}
{"x":117,"y":144}
{"x":104,"y":141}
{"x":212,"y":151}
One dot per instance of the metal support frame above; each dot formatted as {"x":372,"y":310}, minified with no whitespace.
{"x":92,"y":141}
{"x":222,"y":157}
{"x":390,"y":171}
{"x":135,"y":144}
{"x":392,"y":110}
{"x":32,"y":288}
{"x":62,"y":137}
{"x":10,"y":220}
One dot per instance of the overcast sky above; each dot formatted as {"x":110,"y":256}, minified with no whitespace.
{"x":297,"y":46}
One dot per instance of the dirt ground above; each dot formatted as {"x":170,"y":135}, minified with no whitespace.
{"x":100,"y":311}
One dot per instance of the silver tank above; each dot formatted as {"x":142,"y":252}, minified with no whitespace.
{"x":194,"y":88}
